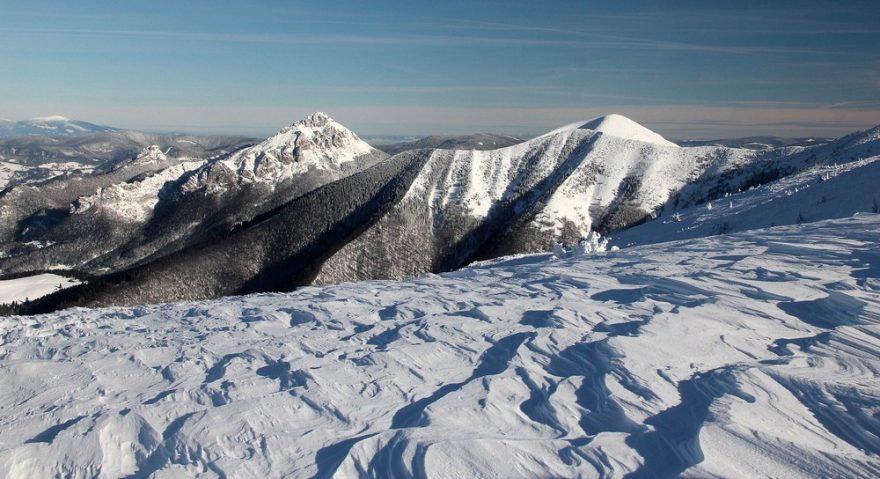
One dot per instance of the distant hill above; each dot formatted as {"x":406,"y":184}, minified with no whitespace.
{"x":477,"y":141}
{"x":54,"y":125}
{"x":111,"y":146}
{"x":757,"y":142}
{"x":29,"y":159}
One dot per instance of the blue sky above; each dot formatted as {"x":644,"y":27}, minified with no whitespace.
{"x":687,"y":69}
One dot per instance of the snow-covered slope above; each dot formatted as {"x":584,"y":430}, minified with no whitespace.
{"x":749,"y":355}
{"x":33,"y":287}
{"x":9,"y":171}
{"x":821,"y":192}
{"x":14,"y":173}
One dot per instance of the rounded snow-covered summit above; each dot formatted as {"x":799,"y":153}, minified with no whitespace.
{"x":51,"y":118}
{"x":620,"y":126}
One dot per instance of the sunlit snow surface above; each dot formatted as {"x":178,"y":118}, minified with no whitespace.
{"x":753,"y":354}
{"x":33,"y":287}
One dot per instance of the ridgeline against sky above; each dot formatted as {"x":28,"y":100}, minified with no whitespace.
{"x":687,"y":69}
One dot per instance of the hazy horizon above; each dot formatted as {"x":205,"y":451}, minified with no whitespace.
{"x":792,"y":69}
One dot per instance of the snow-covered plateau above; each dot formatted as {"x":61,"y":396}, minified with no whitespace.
{"x":754,"y":354}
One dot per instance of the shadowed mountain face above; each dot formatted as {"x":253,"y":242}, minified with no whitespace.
{"x":315,"y":204}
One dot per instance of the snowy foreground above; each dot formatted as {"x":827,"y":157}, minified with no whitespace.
{"x":754,"y":354}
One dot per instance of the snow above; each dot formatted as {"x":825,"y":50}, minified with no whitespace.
{"x":620,"y":126}
{"x":33,"y":287}
{"x":753,"y":354}
{"x":479,"y":179}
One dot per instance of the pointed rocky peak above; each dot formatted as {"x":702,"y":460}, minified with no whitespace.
{"x":318,"y":134}
{"x":315,"y":142}
{"x":317,"y":119}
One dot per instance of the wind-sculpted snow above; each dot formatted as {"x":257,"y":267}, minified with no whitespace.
{"x":744,"y":355}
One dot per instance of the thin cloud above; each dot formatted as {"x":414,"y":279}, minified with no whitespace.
{"x":608,"y":42}
{"x":645,"y":43}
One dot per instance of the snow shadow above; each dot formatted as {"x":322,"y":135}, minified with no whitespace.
{"x":837,"y":309}
{"x":845,"y":412}
{"x":49,"y":434}
{"x":674,"y":445}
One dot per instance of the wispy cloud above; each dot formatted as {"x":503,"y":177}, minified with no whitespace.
{"x":601,"y":41}
{"x":629,"y":42}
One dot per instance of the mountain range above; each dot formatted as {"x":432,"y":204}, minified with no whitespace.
{"x":315,"y":204}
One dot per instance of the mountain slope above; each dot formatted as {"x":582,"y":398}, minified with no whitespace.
{"x":28,"y":210}
{"x":273,"y":252}
{"x":702,"y":358}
